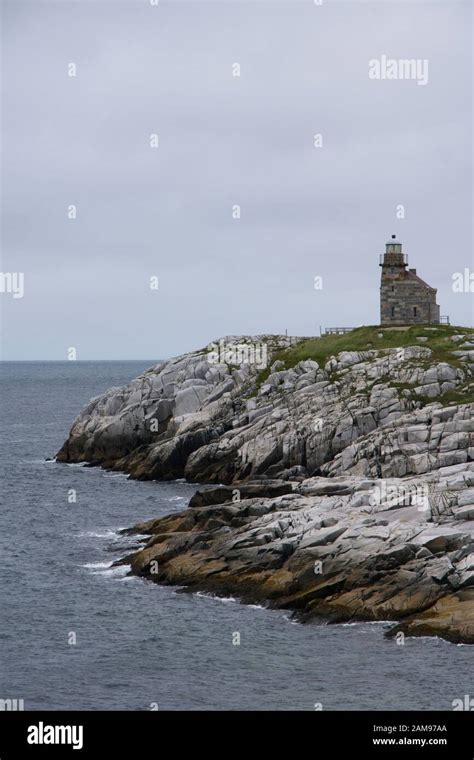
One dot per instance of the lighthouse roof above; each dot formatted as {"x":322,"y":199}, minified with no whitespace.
{"x":413,"y":276}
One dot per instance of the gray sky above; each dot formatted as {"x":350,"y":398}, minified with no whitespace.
{"x":225,"y":140}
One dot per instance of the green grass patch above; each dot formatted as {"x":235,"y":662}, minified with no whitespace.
{"x":321,"y":349}
{"x":367,"y":339}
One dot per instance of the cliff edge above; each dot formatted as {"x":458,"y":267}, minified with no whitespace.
{"x":345,"y":464}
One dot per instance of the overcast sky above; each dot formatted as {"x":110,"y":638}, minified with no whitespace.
{"x":224,"y":140}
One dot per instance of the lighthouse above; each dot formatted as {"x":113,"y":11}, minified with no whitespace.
{"x":405,"y":299}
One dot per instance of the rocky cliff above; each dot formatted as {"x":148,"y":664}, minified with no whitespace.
{"x":349,"y":462}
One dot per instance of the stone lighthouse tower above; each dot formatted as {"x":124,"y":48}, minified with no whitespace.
{"x":405,"y":299}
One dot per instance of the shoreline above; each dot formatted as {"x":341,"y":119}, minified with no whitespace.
{"x":230,"y":589}
{"x":190,"y":550}
{"x":339,"y":481}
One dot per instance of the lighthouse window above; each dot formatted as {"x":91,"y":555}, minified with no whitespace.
{"x":414,"y":311}
{"x":393,"y":311}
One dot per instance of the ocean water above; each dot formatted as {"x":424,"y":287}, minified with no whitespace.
{"x":138,"y":645}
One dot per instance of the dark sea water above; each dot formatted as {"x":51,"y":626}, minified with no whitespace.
{"x":138,"y":643}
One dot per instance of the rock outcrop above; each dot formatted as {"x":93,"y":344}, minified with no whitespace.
{"x":358,"y":463}
{"x":334,"y":550}
{"x":361,"y":413}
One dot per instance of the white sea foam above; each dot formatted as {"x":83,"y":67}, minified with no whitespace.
{"x":228,"y":599}
{"x":128,"y":578}
{"x":379,"y":622}
{"x":209,"y":595}
{"x":106,"y":568}
{"x":118,"y":571}
{"x":106,"y":533}
{"x":96,"y":565}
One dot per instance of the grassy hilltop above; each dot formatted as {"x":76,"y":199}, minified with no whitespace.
{"x":440,"y":339}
